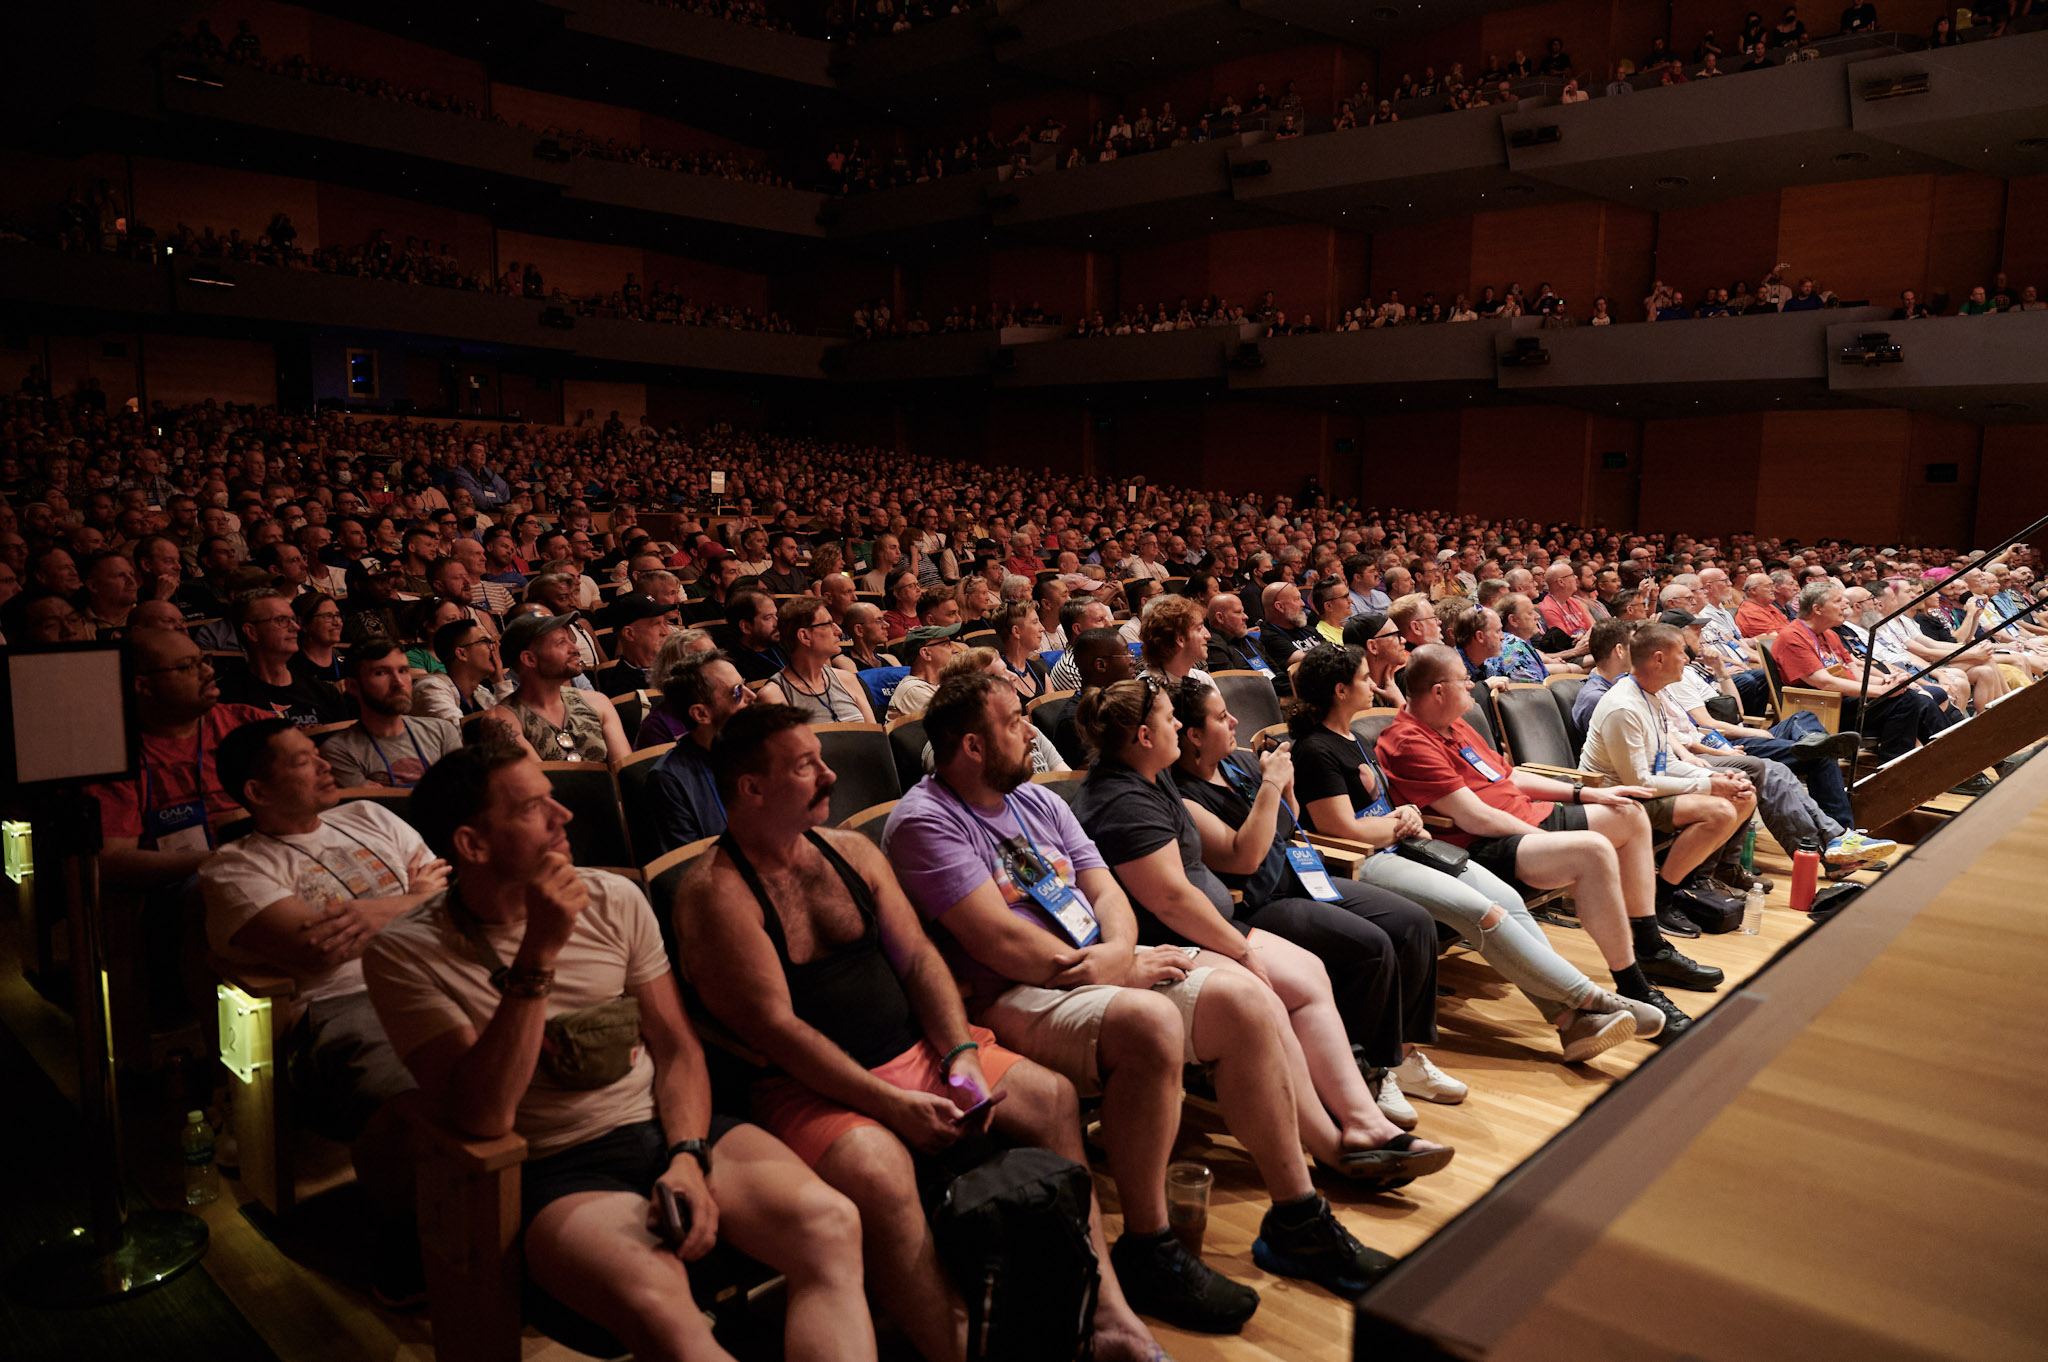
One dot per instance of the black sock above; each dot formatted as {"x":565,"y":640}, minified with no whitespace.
{"x":1665,"y":889}
{"x":1648,"y":940}
{"x":1299,"y":1211}
{"x":1630,"y":983}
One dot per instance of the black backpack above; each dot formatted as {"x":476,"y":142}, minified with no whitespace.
{"x":1013,"y":1231}
{"x":1712,"y":913}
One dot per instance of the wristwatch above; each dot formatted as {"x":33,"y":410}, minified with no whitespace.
{"x":699,"y":1149}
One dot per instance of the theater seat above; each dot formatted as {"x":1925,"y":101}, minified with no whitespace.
{"x":1535,"y":732}
{"x":1370,"y":725}
{"x":863,"y":758}
{"x":1251,"y":698}
{"x":1564,"y":690}
{"x":871,"y":823}
{"x":636,"y":796}
{"x":1065,"y":784}
{"x":597,"y":833}
{"x":1481,"y":719}
{"x":907,"y":743}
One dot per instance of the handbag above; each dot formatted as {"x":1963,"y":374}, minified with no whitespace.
{"x":589,"y":1047}
{"x":1436,"y":855}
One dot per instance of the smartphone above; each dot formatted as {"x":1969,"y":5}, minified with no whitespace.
{"x":1266,"y":742}
{"x":675,"y":1215}
{"x":979,"y":1107}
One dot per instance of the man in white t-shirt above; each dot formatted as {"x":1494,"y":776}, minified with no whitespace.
{"x":467,"y":986}
{"x":303,"y":895}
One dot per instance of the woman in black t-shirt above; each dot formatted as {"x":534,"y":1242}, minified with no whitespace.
{"x":1379,"y":948}
{"x":1131,"y":809}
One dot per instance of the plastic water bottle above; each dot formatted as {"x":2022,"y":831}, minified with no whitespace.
{"x":202,"y":1180}
{"x":1753,"y":910}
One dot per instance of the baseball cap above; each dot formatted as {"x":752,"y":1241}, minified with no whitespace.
{"x":1678,"y":619}
{"x":631,"y":606}
{"x":523,"y":632}
{"x":930,"y":633}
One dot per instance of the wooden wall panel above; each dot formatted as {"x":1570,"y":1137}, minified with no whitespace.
{"x":1860,"y":238}
{"x":1460,"y":43}
{"x":670,"y":135}
{"x":695,"y":408}
{"x":705,"y":282}
{"x":1966,"y":225}
{"x":1715,"y":244}
{"x":1700,"y":475}
{"x":543,"y":111}
{"x":1585,"y":25}
{"x":1154,"y":442}
{"x":1559,"y":244}
{"x":1611,"y":493}
{"x":579,"y":268}
{"x":1162,"y":273}
{"x":1053,"y":278}
{"x":2012,"y":482}
{"x":1435,"y":256}
{"x":170,"y":192}
{"x":1626,"y":260}
{"x":1523,"y":461}
{"x":178,"y":369}
{"x":1839,"y":473}
{"x":285,"y":30}
{"x":33,"y":186}
{"x":1295,"y":262}
{"x":1940,"y":513}
{"x":348,"y":215}
{"x":73,"y":363}
{"x":372,"y":52}
{"x":1410,"y":459}
{"x":1263,"y":447}
{"x":2025,"y":255}
{"x":585,"y":400}
{"x":529,"y":398}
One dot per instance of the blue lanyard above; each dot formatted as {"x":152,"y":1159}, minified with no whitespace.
{"x":1382,"y":799}
{"x":990,"y":832}
{"x":407,"y":730}
{"x":1231,"y":774}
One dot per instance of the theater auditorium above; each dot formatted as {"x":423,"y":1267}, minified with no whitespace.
{"x":1224,"y":680}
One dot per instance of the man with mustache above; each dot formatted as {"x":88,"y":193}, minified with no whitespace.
{"x":561,"y":722}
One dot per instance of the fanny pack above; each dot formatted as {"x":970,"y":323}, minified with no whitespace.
{"x":1434,"y":854}
{"x":591,"y":1047}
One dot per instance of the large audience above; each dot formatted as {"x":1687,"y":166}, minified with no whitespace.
{"x":312,"y":605}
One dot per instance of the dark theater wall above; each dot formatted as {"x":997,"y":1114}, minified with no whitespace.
{"x":2012,"y":482}
{"x":2026,"y":230}
{"x":1714,"y":244}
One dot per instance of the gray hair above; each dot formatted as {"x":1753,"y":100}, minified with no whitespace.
{"x":1813,"y":593}
{"x":1016,"y":588}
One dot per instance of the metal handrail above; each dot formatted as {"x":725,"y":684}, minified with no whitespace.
{"x":1870,"y":653}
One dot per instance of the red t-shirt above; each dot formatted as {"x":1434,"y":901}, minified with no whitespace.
{"x":1801,"y":651}
{"x":1755,"y":617}
{"x":1567,"y":616}
{"x":170,"y":774}
{"x":1423,"y":766}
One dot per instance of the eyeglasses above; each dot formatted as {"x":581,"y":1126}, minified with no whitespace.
{"x":190,"y":664}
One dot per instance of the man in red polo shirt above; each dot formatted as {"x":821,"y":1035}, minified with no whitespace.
{"x":1538,"y":833}
{"x":1811,"y":652}
{"x":1561,"y":607}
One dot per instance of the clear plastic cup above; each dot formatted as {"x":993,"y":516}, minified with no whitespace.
{"x":1187,"y":1202}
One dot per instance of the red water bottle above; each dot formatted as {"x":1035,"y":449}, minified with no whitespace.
{"x":1805,"y":876}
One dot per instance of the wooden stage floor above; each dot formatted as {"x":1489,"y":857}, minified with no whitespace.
{"x":1491,"y":1038}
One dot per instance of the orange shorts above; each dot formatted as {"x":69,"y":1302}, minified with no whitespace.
{"x":810,"y":1124}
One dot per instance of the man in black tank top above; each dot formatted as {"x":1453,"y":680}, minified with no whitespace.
{"x":803,"y":944}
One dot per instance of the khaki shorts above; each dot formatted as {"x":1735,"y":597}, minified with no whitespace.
{"x":1061,"y":1028}
{"x":1663,"y":812}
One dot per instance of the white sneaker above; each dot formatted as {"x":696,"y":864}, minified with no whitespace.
{"x":1423,"y":1079}
{"x":1586,"y":1034}
{"x":1397,"y":1108}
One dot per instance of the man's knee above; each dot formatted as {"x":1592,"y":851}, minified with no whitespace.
{"x":1240,"y":1002}
{"x":829,"y":1225}
{"x":1142,"y":1032}
{"x":871,"y":1165}
{"x":1046,"y":1104}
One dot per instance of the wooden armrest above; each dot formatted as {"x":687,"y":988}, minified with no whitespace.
{"x":1436,"y":820}
{"x":1339,"y":855}
{"x":1571,"y":775}
{"x":437,"y":1137}
{"x":253,"y":980}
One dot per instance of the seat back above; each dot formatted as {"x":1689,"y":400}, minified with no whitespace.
{"x":861,"y":756}
{"x":597,"y":833}
{"x":1251,"y":698}
{"x":1535,"y":731}
{"x":1564,"y":691}
{"x":1065,"y":784}
{"x":1480,"y":716}
{"x":871,"y":823}
{"x":632,"y":708}
{"x":907,"y":744}
{"x":1368,"y":726}
{"x":398,"y":801}
{"x":636,"y":776}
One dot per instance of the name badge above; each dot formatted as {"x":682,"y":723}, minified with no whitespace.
{"x":1713,"y":739}
{"x":181,"y":827}
{"x":1051,"y":892}
{"x":1658,"y":763}
{"x":1309,"y":869}
{"x":1478,"y":763}
{"x":1260,"y":665}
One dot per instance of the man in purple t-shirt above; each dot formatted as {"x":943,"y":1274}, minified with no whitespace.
{"x":1039,"y":930}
